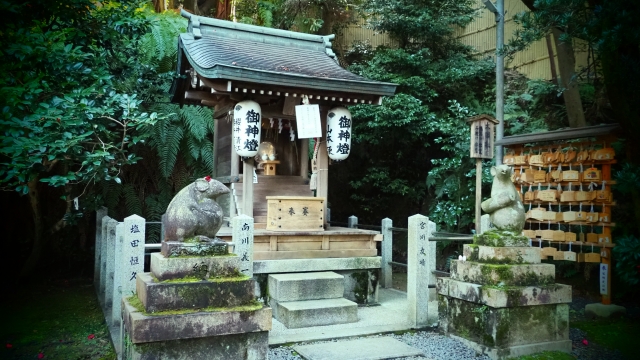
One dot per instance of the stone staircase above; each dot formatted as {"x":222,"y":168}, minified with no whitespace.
{"x":303,"y":300}
{"x":278,"y":185}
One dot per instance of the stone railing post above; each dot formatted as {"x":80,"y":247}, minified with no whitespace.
{"x":387,"y":251}
{"x":103,"y":260}
{"x":242,"y":237}
{"x":116,"y":295}
{"x":100,"y":213}
{"x":133,"y":253}
{"x":111,"y":261}
{"x":420,"y":263}
{"x":352,"y":222}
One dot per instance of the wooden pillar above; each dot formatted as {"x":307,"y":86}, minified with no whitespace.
{"x":323,"y":167}
{"x":214,"y":171}
{"x":247,"y":187}
{"x":478,"y":194}
{"x":606,"y":253}
{"x":235,"y":163}
{"x":304,"y":158}
{"x":605,"y":258}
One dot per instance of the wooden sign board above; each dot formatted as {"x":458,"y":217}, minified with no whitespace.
{"x":482,"y":129}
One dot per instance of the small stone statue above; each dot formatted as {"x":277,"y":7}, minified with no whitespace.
{"x":504,"y":205}
{"x":193,"y":213}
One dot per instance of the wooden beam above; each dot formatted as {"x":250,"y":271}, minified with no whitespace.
{"x":576,"y":133}
{"x":217,"y":85}
{"x":200,"y":95}
{"x":290,"y":103}
{"x":223,"y":107}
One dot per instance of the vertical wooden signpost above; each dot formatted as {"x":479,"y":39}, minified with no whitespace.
{"x":482,"y":129}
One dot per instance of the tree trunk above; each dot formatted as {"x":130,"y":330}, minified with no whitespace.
{"x":38,"y":245}
{"x":567,"y":64}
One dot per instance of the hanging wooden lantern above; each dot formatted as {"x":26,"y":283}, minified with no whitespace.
{"x":338,"y":133}
{"x":247,"y":117}
{"x":482,"y":130}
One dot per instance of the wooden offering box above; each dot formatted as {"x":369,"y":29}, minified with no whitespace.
{"x":297,"y":213}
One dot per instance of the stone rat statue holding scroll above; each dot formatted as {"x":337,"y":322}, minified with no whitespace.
{"x":504,"y":205}
{"x":193,"y":212}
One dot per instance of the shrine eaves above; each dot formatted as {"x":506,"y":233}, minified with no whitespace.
{"x":221,"y":62}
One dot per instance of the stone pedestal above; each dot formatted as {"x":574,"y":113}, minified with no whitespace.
{"x":502,"y":301}
{"x":195,"y":307}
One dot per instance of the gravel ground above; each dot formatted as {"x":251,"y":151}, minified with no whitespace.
{"x":439,"y":347}
{"x":433,"y":345}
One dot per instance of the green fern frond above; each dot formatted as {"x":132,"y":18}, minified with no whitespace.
{"x":194,"y":147}
{"x":195,"y":119}
{"x":206,"y":153}
{"x":131,"y":200}
{"x":168,"y":149}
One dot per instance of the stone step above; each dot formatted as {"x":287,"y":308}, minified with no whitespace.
{"x":306,"y":286}
{"x":220,"y":293}
{"x":502,"y":255}
{"x":504,"y":275}
{"x":497,"y":297}
{"x":299,"y":314}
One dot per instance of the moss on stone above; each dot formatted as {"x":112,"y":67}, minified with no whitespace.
{"x":137,"y":304}
{"x":238,"y":276}
{"x":500,"y":238}
{"x":496,"y":274}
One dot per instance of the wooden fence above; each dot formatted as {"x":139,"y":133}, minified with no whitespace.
{"x":480,"y":34}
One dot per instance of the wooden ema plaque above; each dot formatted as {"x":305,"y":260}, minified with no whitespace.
{"x":558,"y":255}
{"x":570,"y":175}
{"x":568,"y":196}
{"x":592,"y":217}
{"x":547,"y":251}
{"x":558,"y":235}
{"x":570,"y":256}
{"x":589,"y":257}
{"x":295,"y":213}
{"x":605,"y":237}
{"x":569,"y":236}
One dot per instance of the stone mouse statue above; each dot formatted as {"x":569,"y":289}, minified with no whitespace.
{"x":504,"y":205}
{"x":193,"y":212}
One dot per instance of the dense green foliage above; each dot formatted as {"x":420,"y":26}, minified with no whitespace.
{"x":65,"y":118}
{"x":421,"y":130}
{"x":84,"y":95}
{"x":324,"y":16}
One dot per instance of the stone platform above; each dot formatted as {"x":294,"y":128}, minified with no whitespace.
{"x":503,"y":302}
{"x":195,"y":307}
